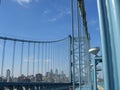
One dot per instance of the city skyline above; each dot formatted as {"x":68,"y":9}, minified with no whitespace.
{"x":52,"y":76}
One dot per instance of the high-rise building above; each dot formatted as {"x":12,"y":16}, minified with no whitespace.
{"x":21,"y":78}
{"x":8,"y":75}
{"x":56,"y":72}
{"x":48,"y":74}
{"x":38,"y":77}
{"x":0,"y":79}
{"x":51,"y":73}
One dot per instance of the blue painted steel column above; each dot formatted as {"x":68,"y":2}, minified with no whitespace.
{"x":104,"y":41}
{"x":113,"y":7}
{"x":109,"y":18}
{"x":95,"y":78}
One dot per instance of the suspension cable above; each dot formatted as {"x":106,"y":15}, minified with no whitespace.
{"x":48,"y":57}
{"x":33,"y":59}
{"x":55,"y":55}
{"x":38,"y":57}
{"x":45,"y":55}
{"x":42,"y":57}
{"x":13,"y":60}
{"x":60,"y":59}
{"x":21,"y":65}
{"x":51,"y":56}
{"x":31,"y":41}
{"x":3,"y":57}
{"x":28,"y":61}
{"x":47,"y":51}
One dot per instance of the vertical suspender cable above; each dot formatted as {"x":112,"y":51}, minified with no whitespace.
{"x":48,"y":57}
{"x":60,"y":60}
{"x":21,"y":65}
{"x":42,"y":57}
{"x":78,"y":18}
{"x":67,"y":58}
{"x":28,"y":58}
{"x":34,"y":59}
{"x":13,"y":60}
{"x":73,"y":58}
{"x":45,"y":60}
{"x":51,"y":61}
{"x":66,"y":53}
{"x":3,"y":56}
{"x":38,"y":57}
{"x":70,"y":59}
{"x":64,"y":58}
{"x":54,"y":57}
{"x":51,"y":56}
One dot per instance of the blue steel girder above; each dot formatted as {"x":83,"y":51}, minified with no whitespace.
{"x":31,"y":85}
{"x":84,"y":62}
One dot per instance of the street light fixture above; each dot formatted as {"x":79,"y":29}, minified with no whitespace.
{"x":94,"y":51}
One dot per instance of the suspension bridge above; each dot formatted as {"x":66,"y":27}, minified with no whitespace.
{"x":64,"y":64}
{"x":40,"y":64}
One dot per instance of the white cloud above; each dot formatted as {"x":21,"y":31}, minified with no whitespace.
{"x":61,"y":14}
{"x":21,"y":2}
{"x":46,"y":12}
{"x":53,"y":19}
{"x":24,"y":2}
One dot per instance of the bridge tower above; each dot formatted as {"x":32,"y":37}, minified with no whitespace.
{"x":79,"y":47}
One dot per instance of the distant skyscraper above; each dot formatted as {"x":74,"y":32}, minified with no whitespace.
{"x":38,"y":77}
{"x":56,"y":72}
{"x":8,"y":75}
{"x":48,"y":74}
{"x":62,"y":72}
{"x":51,"y":73}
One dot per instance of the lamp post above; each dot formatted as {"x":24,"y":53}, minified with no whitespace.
{"x":96,"y":60}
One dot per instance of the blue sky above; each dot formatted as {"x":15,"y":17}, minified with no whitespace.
{"x":44,"y":19}
{"x":36,"y":20}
